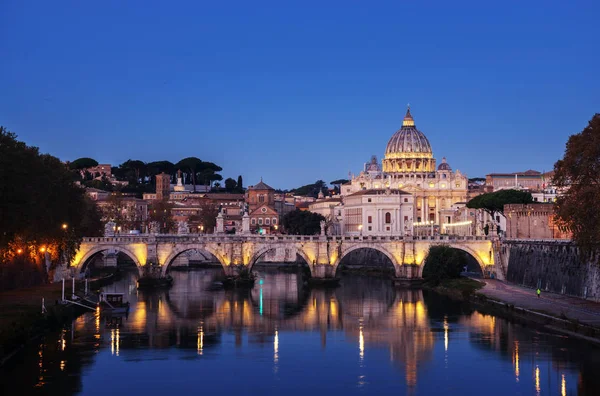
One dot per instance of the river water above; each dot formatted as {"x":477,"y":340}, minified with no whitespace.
{"x":281,"y":338}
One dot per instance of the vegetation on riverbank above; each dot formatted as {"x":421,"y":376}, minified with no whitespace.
{"x":43,"y":213}
{"x":22,"y":318}
{"x":456,"y":288}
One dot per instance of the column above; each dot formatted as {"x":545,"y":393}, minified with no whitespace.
{"x":426,"y":218}
{"x":437,"y":211}
{"x":423,"y":214}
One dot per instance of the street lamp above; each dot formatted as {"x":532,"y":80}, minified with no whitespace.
{"x":65,"y":226}
{"x":431,"y":222}
{"x":360,"y":229}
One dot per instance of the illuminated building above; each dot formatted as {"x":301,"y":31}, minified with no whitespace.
{"x":409,"y":166}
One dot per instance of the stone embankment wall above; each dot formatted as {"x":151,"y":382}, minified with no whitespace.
{"x":555,"y":266}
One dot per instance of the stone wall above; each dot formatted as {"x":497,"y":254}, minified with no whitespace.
{"x":556,"y":266}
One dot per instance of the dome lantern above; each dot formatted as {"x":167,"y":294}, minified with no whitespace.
{"x":408,"y":150}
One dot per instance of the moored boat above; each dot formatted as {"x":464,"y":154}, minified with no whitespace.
{"x":113,"y":303}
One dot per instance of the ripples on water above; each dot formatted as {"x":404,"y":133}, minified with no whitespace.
{"x":280,"y":338}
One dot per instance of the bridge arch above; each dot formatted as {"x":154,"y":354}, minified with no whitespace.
{"x":84,"y":260}
{"x":260,"y":252}
{"x":461,"y":247}
{"x":352,"y":248}
{"x":177,"y":251}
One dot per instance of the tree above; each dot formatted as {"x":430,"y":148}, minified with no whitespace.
{"x":230,"y":185}
{"x":339,"y":182}
{"x":32,"y":213}
{"x":206,"y":217}
{"x":208,"y":173}
{"x":190,"y":166}
{"x":156,"y":167}
{"x":301,"y":222}
{"x":578,"y":173}
{"x":494,"y":202}
{"x":443,"y":262}
{"x":83,"y":163}
{"x":240,"y":184}
{"x":135,"y":170}
{"x":311,"y":190}
{"x":161,"y":213}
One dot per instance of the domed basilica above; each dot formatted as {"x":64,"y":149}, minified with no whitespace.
{"x":409,"y":168}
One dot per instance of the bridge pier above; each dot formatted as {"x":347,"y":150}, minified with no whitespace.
{"x":408,"y":275}
{"x":322,"y":271}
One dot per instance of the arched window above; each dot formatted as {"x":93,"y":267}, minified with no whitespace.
{"x":267,"y":221}
{"x":274,"y":220}
{"x":260,"y":220}
{"x":253,"y":221}
{"x":261,"y":198}
{"x":388,"y":218}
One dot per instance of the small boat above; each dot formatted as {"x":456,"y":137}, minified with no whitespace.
{"x":151,"y":282}
{"x":113,"y":303}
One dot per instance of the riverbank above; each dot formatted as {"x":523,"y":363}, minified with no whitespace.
{"x":555,"y":312}
{"x":22,"y":319}
{"x":458,"y":289}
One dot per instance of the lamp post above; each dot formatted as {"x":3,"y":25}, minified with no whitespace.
{"x":431,"y":222}
{"x":360,"y":229}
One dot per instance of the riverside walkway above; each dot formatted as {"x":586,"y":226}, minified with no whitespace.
{"x":558,"y":305}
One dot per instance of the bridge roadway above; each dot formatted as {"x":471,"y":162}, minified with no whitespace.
{"x":323,"y":254}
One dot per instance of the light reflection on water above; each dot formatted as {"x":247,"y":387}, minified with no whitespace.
{"x":283,"y":338}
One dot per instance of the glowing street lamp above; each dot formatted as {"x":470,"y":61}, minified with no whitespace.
{"x":43,"y":249}
{"x":65,"y":226}
{"x":360,"y":229}
{"x":19,"y":251}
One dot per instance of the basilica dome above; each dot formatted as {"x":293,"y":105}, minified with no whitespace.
{"x":444,"y":166}
{"x":407,"y":139}
{"x":408,"y":150}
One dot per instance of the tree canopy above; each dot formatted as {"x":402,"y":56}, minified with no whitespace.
{"x":38,"y":197}
{"x":578,"y":172}
{"x":443,"y":262}
{"x":301,"y":222}
{"x":494,"y":202}
{"x":83,"y":163}
{"x":311,"y":190}
{"x":339,"y":182}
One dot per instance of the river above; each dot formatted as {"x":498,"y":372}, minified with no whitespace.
{"x":281,"y":338}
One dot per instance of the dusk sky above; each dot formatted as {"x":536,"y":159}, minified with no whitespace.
{"x":301,"y":91}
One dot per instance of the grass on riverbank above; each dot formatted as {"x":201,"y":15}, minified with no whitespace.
{"x":460,"y":288}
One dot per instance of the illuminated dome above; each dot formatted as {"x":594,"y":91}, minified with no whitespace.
{"x":407,"y":140}
{"x":408,"y":150}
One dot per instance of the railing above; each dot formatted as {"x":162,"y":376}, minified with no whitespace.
{"x":146,"y":238}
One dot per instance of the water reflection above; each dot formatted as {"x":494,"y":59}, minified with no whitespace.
{"x":389,"y":339}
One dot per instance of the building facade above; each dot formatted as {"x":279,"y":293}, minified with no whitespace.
{"x":378,"y":212}
{"x":532,"y":221}
{"x":260,"y":200}
{"x":409,"y":166}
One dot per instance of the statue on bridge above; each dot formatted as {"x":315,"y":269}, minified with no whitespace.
{"x":322,"y":223}
{"x":154,"y":227}
{"x":182,"y":228}
{"x":109,"y":228}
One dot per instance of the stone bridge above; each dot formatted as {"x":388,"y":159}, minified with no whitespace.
{"x":323,"y":254}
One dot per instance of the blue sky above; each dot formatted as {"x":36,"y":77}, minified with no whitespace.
{"x":299,"y":91}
